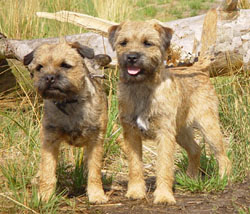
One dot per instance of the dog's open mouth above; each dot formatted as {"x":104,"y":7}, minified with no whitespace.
{"x":133,"y":71}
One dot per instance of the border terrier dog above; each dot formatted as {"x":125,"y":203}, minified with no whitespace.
{"x":162,"y":105}
{"x":75,"y":111}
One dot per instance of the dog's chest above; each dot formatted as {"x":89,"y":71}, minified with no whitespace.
{"x":132,"y":102}
{"x":146,"y":109}
{"x":72,"y":120}
{"x":135,"y":105}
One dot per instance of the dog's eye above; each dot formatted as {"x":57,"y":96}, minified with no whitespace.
{"x":123,"y":43}
{"x":147,"y":43}
{"x":39,"y":67}
{"x":65,"y":65}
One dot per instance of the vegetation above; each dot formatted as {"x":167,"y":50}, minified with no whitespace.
{"x":21,"y":110}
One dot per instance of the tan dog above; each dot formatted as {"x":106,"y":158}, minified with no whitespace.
{"x":162,"y":105}
{"x":75,"y":111}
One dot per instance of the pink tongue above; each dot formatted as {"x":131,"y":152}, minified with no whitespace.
{"x":133,"y":71}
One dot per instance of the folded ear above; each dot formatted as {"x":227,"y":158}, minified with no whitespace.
{"x":102,"y":59}
{"x":112,"y":31}
{"x":83,"y":50}
{"x":166,"y":35}
{"x":28,"y":58}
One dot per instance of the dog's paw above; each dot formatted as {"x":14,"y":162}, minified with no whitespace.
{"x":135,"y":195}
{"x":45,"y":195}
{"x":46,"y":190}
{"x":98,"y":197}
{"x":136,"y":191}
{"x":164,"y":197}
{"x":225,"y":167}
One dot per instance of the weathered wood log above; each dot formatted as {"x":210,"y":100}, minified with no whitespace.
{"x":17,"y":49}
{"x":186,"y":37}
{"x":226,"y":38}
{"x":219,"y":38}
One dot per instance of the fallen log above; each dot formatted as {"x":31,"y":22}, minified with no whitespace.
{"x":219,"y":38}
{"x":17,"y":49}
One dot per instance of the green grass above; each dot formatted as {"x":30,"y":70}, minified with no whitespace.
{"x":208,"y":179}
{"x":19,"y":126}
{"x":235,"y":116}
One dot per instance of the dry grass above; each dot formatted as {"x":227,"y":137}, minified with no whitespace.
{"x":114,"y":10}
{"x":23,"y":23}
{"x":244,"y":4}
{"x":20,"y":18}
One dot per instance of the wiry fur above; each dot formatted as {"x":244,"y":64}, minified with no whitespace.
{"x":162,"y":105}
{"x":75,"y":111}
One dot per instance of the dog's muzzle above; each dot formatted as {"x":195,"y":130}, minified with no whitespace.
{"x":132,"y":63}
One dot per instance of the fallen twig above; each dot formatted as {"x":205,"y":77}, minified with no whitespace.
{"x":18,"y":203}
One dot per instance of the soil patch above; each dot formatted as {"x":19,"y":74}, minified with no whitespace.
{"x":234,"y":199}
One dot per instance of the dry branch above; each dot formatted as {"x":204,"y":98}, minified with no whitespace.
{"x":90,"y":23}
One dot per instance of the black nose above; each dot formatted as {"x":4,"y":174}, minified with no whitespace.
{"x":133,"y":57}
{"x":50,"y":78}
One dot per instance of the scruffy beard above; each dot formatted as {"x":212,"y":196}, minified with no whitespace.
{"x":145,"y":68}
{"x":54,"y":94}
{"x":60,"y":90}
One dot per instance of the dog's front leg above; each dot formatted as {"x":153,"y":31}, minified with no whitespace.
{"x":133,"y":144}
{"x":94,"y":156}
{"x":47,"y":172}
{"x":165,"y":168}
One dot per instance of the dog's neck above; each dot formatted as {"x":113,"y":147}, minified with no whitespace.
{"x":61,"y":105}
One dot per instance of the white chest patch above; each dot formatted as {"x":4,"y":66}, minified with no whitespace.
{"x":142,"y":124}
{"x":168,"y":82}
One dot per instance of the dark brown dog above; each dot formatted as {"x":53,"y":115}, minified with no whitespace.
{"x":162,"y":105}
{"x":75,"y":111}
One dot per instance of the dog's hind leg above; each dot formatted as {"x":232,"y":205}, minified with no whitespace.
{"x":208,"y":123}
{"x":185,"y":139}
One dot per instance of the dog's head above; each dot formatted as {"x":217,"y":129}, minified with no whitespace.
{"x":140,"y":47}
{"x":59,"y":70}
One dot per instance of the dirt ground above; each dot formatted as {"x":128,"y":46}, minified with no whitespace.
{"x":234,"y":199}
